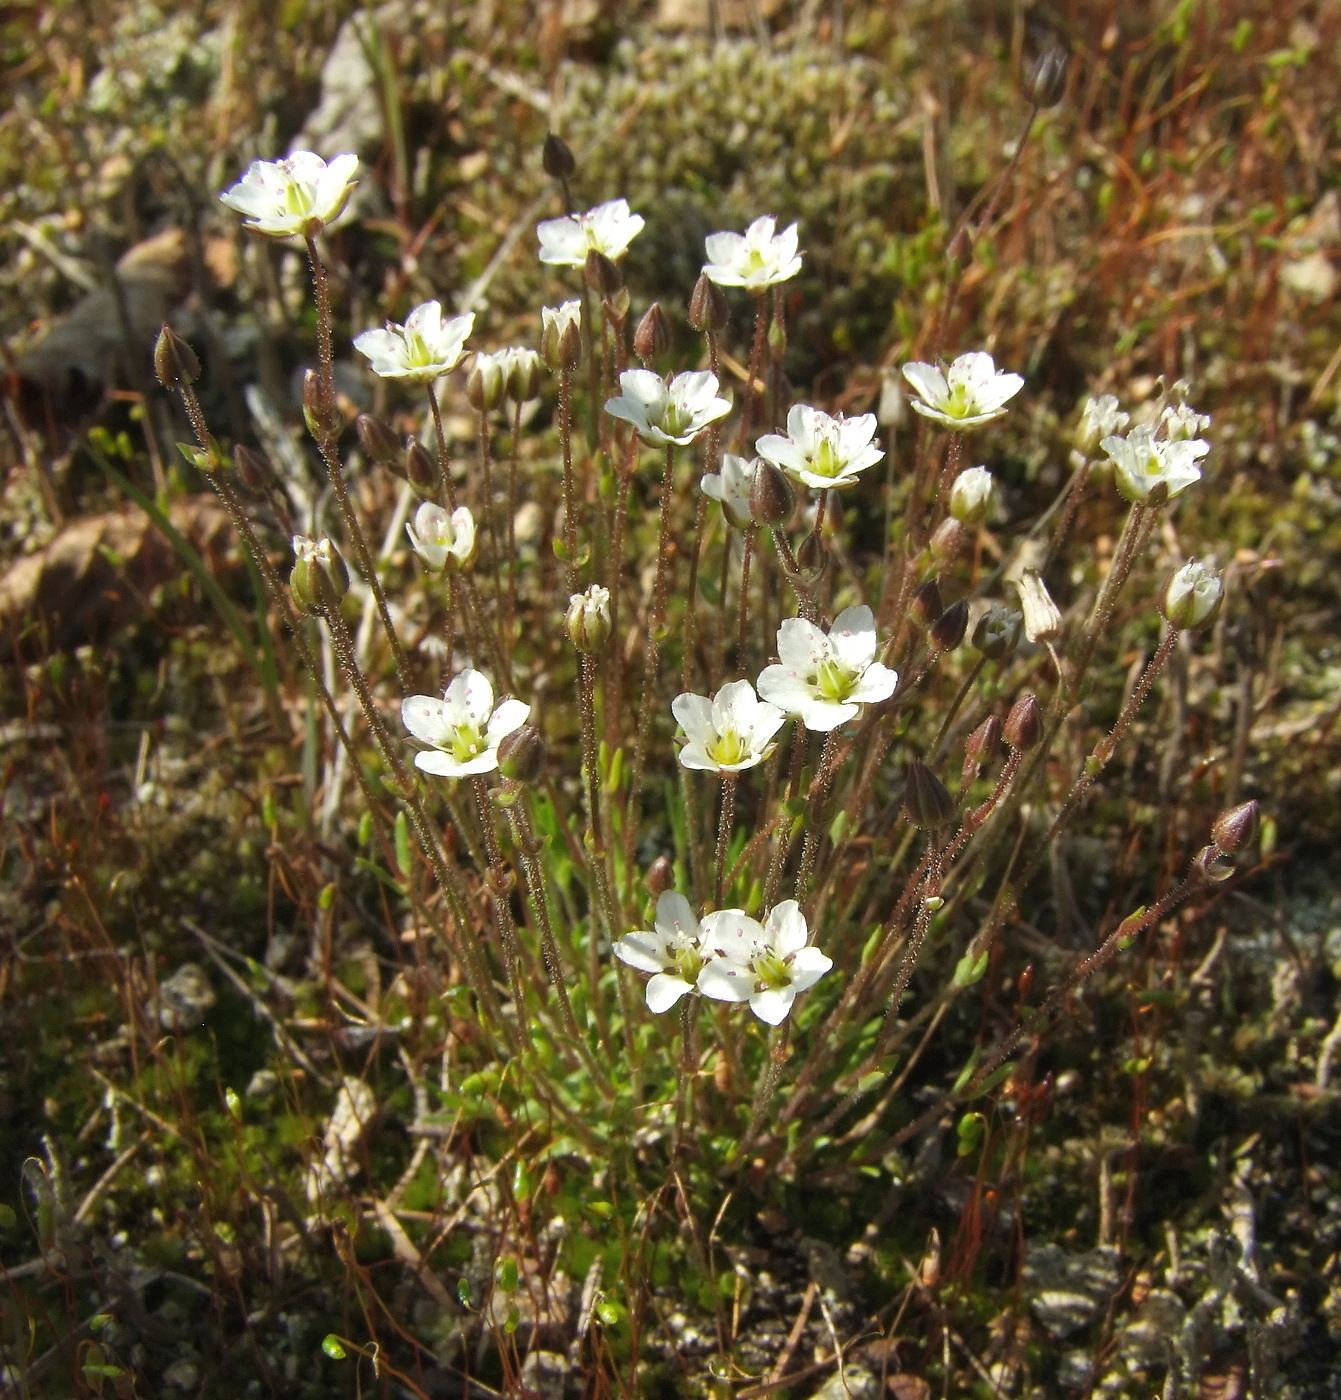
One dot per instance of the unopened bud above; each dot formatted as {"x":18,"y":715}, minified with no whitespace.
{"x":208,"y":459}
{"x":1042,"y":620}
{"x":926,"y":800}
{"x":998,"y":632}
{"x":1045,"y":82}
{"x":251,"y":467}
{"x":377,"y":438}
{"x":652,"y":337}
{"x":771,"y":496}
{"x":981,"y":744}
{"x":1235,"y":829}
{"x":557,"y":158}
{"x":812,"y":557}
{"x":927,"y":604}
{"x":1024,"y":724}
{"x":521,"y":755}
{"x":524,"y":370}
{"x":1192,"y":597}
{"x":971,"y":496}
{"x":947,"y":539}
{"x":708,"y":310}
{"x":601,"y":274}
{"x":588,"y":619}
{"x":1100,"y":418}
{"x":959,"y":251}
{"x":175,"y":363}
{"x":421,"y":471}
{"x":561,"y":335}
{"x":322,"y":417}
{"x":660,"y":876}
{"x":948,"y":630}
{"x":319,"y":579}
{"x":485,"y":384}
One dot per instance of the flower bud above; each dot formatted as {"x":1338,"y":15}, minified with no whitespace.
{"x":251,"y":467}
{"x":771,"y":496}
{"x":523,"y":368}
{"x":616,"y":306}
{"x":708,"y":310}
{"x":1235,"y":829}
{"x":322,"y":417}
{"x":660,"y":876}
{"x":652,"y":337}
{"x":485,"y":384}
{"x":1042,"y":620}
{"x":998,"y":632}
{"x":175,"y":363}
{"x":812,"y":557}
{"x":561,"y":335}
{"x":971,"y":496}
{"x":1192,"y":597}
{"x":926,"y":800}
{"x":319,"y":578}
{"x":601,"y":273}
{"x":981,"y":744}
{"x":1045,"y":82}
{"x":208,"y":459}
{"x":557,"y":158}
{"x":588,"y":619}
{"x":377,"y":438}
{"x":947,"y":539}
{"x":521,"y":755}
{"x":1024,"y":724}
{"x":421,"y":471}
{"x":1099,"y":419}
{"x":948,"y":630}
{"x":959,"y":250}
{"x":927,"y":604}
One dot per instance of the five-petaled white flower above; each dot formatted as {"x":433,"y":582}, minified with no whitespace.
{"x":1147,"y":469}
{"x":731,"y":488}
{"x":440,"y":540}
{"x":664,"y":413}
{"x":970,"y":392}
{"x":463,"y":729}
{"x":608,"y":229}
{"x":822,"y":451}
{"x":729,"y":732}
{"x":672,"y":952}
{"x":298,"y":195}
{"x":423,"y":349}
{"x":822,"y":679}
{"x":765,"y":964}
{"x":756,"y":259}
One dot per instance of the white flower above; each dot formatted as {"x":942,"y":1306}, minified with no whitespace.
{"x":971,"y":495}
{"x":1180,"y":422}
{"x":728,"y":733}
{"x":561,"y":335}
{"x":463,"y":729}
{"x":1042,"y":619}
{"x":672,"y":952}
{"x":421,"y":350}
{"x":970,"y":392}
{"x":766,"y":964}
{"x":608,"y":229}
{"x":821,"y":451}
{"x":440,"y":539}
{"x":1193,"y":596}
{"x":825,"y":679}
{"x":587,"y":620}
{"x":1151,"y":470}
{"x":663,"y":413}
{"x":1100,"y":418}
{"x":756,"y":259}
{"x":731,"y":486}
{"x":521,"y":372}
{"x":299,"y":195}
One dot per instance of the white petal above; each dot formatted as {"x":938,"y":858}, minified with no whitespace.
{"x":694,"y":715}
{"x":772,"y":1004}
{"x":784,"y":688}
{"x":801,"y":645}
{"x":426,"y":718}
{"x":927,"y":381}
{"x":877,"y":683}
{"x":808,"y":966}
{"x":675,"y":920}
{"x":785,"y":927}
{"x":510,"y":715}
{"x":824,"y":716}
{"x":664,"y":990}
{"x":642,"y":950}
{"x":695,"y":756}
{"x":470,"y":697}
{"x":725,"y":981}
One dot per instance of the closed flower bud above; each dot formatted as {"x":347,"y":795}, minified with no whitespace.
{"x":998,"y":632}
{"x":557,"y":158}
{"x":1042,"y":620}
{"x":588,"y":618}
{"x":485,"y":384}
{"x":812,"y":557}
{"x":708,"y":310}
{"x":521,"y":755}
{"x":771,"y":496}
{"x":377,"y":438}
{"x":926,"y":800}
{"x":1045,"y":82}
{"x":601,"y":273}
{"x":175,"y":363}
{"x":947,"y":540}
{"x":561,"y":335}
{"x":927,"y":604}
{"x":251,"y":467}
{"x":319,"y":579}
{"x":1235,"y":829}
{"x":421,"y":471}
{"x":1024,"y":724}
{"x":971,"y":496}
{"x":959,"y":250}
{"x":322,"y":417}
{"x":981,"y":744}
{"x":948,"y":630}
{"x":524,"y":370}
{"x":1099,"y":419}
{"x":652,"y":337}
{"x":660,"y":876}
{"x":1192,"y":597}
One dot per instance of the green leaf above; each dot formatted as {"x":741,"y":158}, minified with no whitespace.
{"x":404,"y":857}
{"x":969,"y":969}
{"x":966,"y":1073}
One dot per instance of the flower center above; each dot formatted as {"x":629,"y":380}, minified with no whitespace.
{"x":827,"y":461}
{"x":466,"y":742}
{"x":675,"y":418}
{"x":773,"y":971}
{"x":833,"y":681}
{"x":728,"y":749}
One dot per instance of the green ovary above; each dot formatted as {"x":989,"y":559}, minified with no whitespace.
{"x":826,"y":460}
{"x":773,"y":971}
{"x":728,"y":749}
{"x":833,"y":682}
{"x":467,"y":743}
